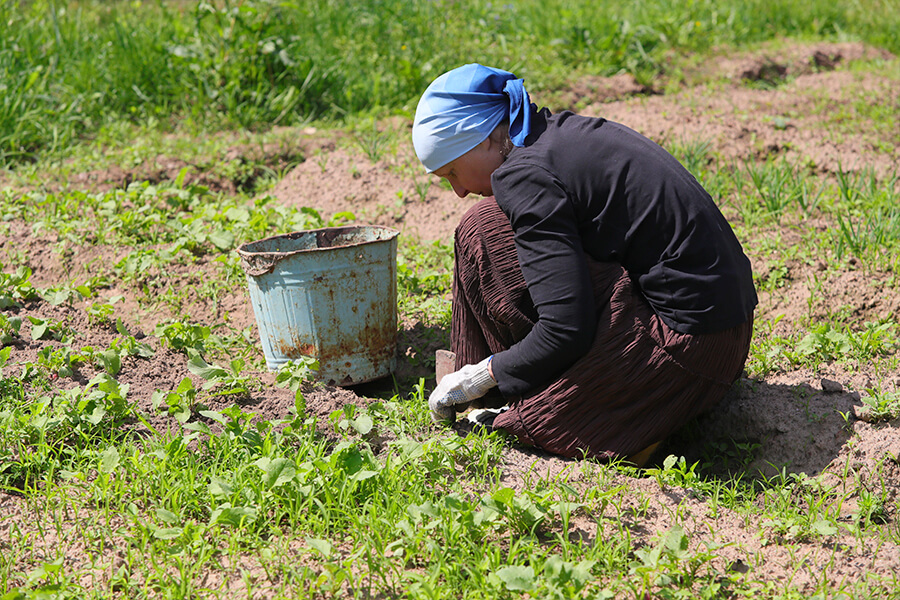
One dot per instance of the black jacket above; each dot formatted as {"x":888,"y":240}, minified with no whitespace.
{"x":585,"y":185}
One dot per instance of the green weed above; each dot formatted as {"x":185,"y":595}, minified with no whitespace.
{"x":424,"y":277}
{"x":821,"y":344}
{"x":371,"y":141}
{"x":15,"y":288}
{"x":9,"y":329}
{"x":881,"y":406}
{"x":781,"y":186}
{"x":226,"y":380}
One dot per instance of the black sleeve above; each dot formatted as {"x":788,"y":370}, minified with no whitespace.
{"x":549,"y":248}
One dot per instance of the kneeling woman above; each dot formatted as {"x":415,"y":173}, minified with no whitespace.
{"x":600,"y":289}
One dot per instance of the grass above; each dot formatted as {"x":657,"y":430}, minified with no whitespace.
{"x":74,"y":71}
{"x":188,"y":494}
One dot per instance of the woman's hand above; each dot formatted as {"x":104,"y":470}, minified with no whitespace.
{"x":460,"y":387}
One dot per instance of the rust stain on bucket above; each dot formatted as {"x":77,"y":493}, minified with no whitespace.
{"x":330,"y":294}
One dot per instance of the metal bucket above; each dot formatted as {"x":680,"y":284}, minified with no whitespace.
{"x":330,"y":294}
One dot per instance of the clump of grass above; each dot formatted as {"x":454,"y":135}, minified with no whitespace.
{"x":822,"y":344}
{"x":372,"y":141}
{"x":780,"y":186}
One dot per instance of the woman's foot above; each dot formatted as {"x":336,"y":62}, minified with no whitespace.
{"x":484,"y":417}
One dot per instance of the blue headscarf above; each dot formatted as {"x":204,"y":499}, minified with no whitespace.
{"x":461,"y":108}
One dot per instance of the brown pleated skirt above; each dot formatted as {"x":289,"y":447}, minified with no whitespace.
{"x":639,"y":382}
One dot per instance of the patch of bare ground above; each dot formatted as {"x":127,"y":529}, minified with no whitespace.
{"x":777,"y":61}
{"x":393,"y":191}
{"x":793,"y":102}
{"x":592,"y":89}
{"x":804,"y":288}
{"x":813,"y":294}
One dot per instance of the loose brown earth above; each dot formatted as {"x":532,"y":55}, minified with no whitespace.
{"x":801,"y":421}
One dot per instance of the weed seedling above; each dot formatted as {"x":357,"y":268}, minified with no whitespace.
{"x":9,"y":329}
{"x":57,"y":361}
{"x":881,"y":406}
{"x":180,"y":403}
{"x":294,"y":373}
{"x":371,"y":141}
{"x":225,"y":380}
{"x":872,"y":509}
{"x":50,"y":329}
{"x":422,"y":187}
{"x":99,"y":313}
{"x":16,"y":288}
{"x":182,"y":336}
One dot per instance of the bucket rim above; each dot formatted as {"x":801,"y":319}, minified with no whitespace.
{"x":257,"y":264}
{"x":336,"y":231}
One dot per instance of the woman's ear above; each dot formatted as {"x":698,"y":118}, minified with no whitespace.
{"x":500,"y":141}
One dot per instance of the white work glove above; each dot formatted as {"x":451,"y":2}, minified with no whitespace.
{"x":459,"y":387}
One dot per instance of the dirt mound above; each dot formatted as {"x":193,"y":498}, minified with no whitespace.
{"x":592,"y":89}
{"x":395,"y":192}
{"x":775,"y":63}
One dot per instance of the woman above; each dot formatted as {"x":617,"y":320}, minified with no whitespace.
{"x":600,"y":289}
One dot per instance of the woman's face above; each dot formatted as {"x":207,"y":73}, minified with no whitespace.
{"x":471,"y":172}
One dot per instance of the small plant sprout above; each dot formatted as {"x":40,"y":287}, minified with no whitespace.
{"x":322,"y":160}
{"x":879,"y":406}
{"x":225,"y":380}
{"x":872,"y":508}
{"x":58,"y":361}
{"x":44,"y":329}
{"x":16,"y":288}
{"x":349,"y":418}
{"x":372,"y":141}
{"x":99,"y":313}
{"x":9,"y":329}
{"x":675,"y":472}
{"x":183,"y":336}
{"x":422,"y":186}
{"x":180,"y":402}
{"x":293,"y":374}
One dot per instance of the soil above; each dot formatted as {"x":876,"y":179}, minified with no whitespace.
{"x":747,"y":107}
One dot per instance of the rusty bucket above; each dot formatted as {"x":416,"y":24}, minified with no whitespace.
{"x":330,"y":294}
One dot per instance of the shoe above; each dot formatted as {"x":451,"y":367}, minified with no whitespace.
{"x":484,"y":417}
{"x":643,"y":457}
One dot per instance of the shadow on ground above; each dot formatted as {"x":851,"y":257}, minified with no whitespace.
{"x":766,"y":429}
